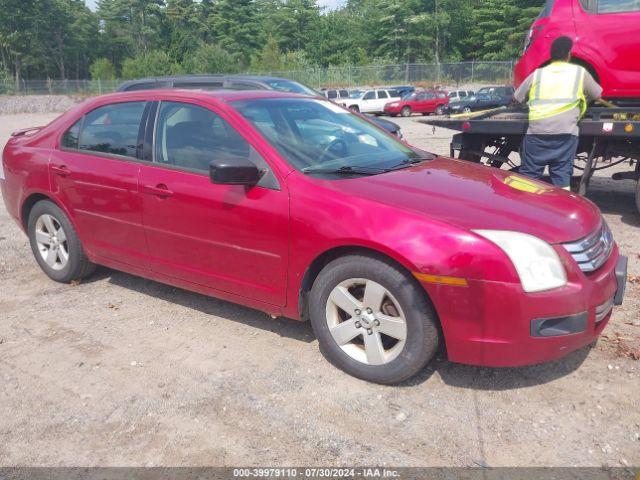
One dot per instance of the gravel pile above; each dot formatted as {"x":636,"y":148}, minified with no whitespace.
{"x":35,"y":104}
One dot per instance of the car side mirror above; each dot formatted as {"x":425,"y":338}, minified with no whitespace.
{"x":234,"y":172}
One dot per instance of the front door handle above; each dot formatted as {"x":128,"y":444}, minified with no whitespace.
{"x":160,"y":190}
{"x":61,"y":170}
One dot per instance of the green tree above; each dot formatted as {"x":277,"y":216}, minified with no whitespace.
{"x":210,"y":58}
{"x":236,"y":28}
{"x":150,"y":64}
{"x":103,"y":69}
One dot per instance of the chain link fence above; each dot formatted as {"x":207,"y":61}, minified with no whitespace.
{"x":427,"y":74}
{"x":424,"y":74}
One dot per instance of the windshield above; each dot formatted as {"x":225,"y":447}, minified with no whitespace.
{"x":293,"y":87}
{"x":317,"y":136}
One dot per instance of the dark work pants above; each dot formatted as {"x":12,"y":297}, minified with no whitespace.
{"x":555,"y":151}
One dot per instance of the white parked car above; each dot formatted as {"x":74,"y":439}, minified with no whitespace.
{"x":337,"y":95}
{"x":370,"y":101}
{"x":458,"y":95}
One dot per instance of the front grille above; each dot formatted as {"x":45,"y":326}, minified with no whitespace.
{"x":593,"y":251}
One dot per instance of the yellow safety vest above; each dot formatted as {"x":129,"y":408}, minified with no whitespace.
{"x":557,"y":88}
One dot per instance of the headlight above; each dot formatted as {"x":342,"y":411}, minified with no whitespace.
{"x":537,"y":263}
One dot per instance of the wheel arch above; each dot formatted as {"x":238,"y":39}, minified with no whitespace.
{"x":322,"y":260}
{"x":28,"y":204}
{"x":588,"y":66}
{"x":35,"y":197}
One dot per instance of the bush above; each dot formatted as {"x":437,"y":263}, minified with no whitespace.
{"x":209,"y":58}
{"x":102,"y":69}
{"x":151,"y":64}
{"x":7,"y":82}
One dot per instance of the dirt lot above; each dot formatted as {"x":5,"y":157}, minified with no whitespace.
{"x":123,"y":371}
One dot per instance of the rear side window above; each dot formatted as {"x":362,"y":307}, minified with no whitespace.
{"x":70,"y":137}
{"x":382,"y":94}
{"x":332,"y":94}
{"x":344,"y":94}
{"x":369,"y":96}
{"x":590,"y":6}
{"x":112,"y":129}
{"x":618,"y":6}
{"x":191,"y":137}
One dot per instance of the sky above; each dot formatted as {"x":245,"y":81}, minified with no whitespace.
{"x":322,"y":3}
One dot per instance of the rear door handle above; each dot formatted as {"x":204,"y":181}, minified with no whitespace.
{"x":160,"y":190}
{"x":62,"y":170}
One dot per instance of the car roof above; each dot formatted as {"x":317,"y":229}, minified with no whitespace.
{"x":224,"y":96}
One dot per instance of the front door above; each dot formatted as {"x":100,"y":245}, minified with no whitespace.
{"x":94,"y":175}
{"x":230,"y":238}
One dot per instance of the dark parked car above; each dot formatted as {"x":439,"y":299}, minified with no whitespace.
{"x":404,"y":90}
{"x":505,"y":92}
{"x":237,"y":82}
{"x":217,"y":82}
{"x":477,"y":102}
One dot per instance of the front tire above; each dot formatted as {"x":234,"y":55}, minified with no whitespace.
{"x":372,"y":320}
{"x":55,"y":244}
{"x":354,"y":108}
{"x":440,"y":110}
{"x":406,"y":112}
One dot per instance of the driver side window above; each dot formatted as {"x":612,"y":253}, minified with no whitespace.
{"x":190,"y":137}
{"x":369,"y":96}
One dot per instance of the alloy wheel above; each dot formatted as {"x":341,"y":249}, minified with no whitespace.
{"x":52,"y":242}
{"x":366,"y":321}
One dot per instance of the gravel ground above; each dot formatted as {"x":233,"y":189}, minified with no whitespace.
{"x":43,"y":104}
{"x":119,"y":370}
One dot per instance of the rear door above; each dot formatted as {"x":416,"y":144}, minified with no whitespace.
{"x":94,"y":175}
{"x":609,"y":30}
{"x":230,"y":238}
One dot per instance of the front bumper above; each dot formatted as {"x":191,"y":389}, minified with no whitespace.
{"x":392,"y":110}
{"x":497,"y":324}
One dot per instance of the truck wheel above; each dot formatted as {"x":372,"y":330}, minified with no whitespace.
{"x":372,"y":320}
{"x":440,"y":110}
{"x":354,"y":108}
{"x":56,"y":245}
{"x":405,"y":112}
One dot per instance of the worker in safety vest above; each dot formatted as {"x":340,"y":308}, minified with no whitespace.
{"x":557,"y":95}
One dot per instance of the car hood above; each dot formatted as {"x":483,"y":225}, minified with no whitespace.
{"x":477,"y":197}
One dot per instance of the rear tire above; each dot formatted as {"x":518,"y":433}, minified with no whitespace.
{"x":371,"y":290}
{"x":354,"y":108}
{"x":56,"y":245}
{"x":406,"y":112}
{"x":440,"y":110}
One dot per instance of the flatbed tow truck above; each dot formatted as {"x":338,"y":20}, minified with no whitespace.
{"x":608,"y":137}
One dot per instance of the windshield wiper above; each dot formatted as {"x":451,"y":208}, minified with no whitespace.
{"x":408,"y":163}
{"x":346,"y":170}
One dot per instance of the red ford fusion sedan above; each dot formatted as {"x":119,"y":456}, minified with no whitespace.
{"x":294,"y":206}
